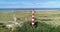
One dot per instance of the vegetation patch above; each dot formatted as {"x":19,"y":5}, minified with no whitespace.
{"x":46,"y":19}
{"x":39,"y":27}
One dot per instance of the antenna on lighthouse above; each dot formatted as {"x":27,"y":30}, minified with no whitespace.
{"x":33,"y":23}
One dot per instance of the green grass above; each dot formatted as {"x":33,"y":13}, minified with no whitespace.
{"x":48,"y":18}
{"x":21,"y":15}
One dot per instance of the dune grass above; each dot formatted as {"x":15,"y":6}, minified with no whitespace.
{"x":49,"y":17}
{"x":48,"y":21}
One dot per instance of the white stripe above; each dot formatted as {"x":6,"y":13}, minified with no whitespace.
{"x":32,"y":15}
{"x":32,"y":23}
{"x":32,"y":11}
{"x":32,"y":19}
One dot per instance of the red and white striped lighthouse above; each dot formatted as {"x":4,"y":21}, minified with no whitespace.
{"x":33,"y":24}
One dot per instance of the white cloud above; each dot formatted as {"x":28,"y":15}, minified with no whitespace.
{"x":51,"y":4}
{"x":47,"y":4}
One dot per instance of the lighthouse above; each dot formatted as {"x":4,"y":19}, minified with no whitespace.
{"x":33,"y":24}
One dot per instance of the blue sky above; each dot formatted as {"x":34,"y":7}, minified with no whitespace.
{"x":29,"y":3}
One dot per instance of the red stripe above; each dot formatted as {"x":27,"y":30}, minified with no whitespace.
{"x":32,"y":13}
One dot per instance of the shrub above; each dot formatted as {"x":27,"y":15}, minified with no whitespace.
{"x":39,"y":27}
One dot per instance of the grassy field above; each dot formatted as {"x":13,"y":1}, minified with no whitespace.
{"x":49,"y":17}
{"x":46,"y":21}
{"x":20,"y":15}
